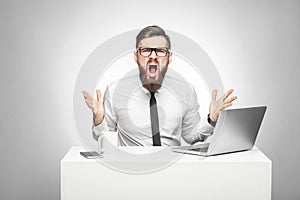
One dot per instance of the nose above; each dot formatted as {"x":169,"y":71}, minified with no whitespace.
{"x":153,"y":54}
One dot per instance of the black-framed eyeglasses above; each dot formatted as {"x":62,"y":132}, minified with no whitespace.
{"x":146,"y":51}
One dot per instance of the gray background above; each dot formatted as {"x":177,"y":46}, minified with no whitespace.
{"x":254,"y":44}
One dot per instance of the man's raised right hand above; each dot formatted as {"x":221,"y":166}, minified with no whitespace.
{"x":95,"y":105}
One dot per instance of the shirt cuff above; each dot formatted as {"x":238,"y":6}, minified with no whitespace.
{"x":206,"y":128}
{"x":98,"y":130}
{"x":210,"y":121}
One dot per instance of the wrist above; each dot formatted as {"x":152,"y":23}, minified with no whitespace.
{"x":98,"y":119}
{"x":213,"y":117}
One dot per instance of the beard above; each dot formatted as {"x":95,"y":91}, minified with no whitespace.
{"x":152,"y":83}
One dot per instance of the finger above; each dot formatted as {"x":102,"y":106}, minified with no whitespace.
{"x":214,"y":95}
{"x":227,"y":94}
{"x":226,"y":105}
{"x":84,"y":94}
{"x":88,"y":98}
{"x":88,"y":103}
{"x":231,"y":99}
{"x":87,"y":95}
{"x":98,"y":95}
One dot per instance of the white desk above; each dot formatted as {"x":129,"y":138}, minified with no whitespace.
{"x":244,"y":175}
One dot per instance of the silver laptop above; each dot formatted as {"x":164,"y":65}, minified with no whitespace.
{"x":236,"y":130}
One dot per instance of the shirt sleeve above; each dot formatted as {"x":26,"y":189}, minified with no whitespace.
{"x":110,"y":119}
{"x":193,"y":128}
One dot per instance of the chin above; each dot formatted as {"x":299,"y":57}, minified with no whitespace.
{"x":152,"y":87}
{"x":151,"y":84}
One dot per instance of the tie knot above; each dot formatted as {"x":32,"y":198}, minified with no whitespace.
{"x":152,"y":99}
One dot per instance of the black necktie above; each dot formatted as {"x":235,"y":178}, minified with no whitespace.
{"x":154,"y":121}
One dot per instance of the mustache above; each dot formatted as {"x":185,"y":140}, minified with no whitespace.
{"x":149,"y":63}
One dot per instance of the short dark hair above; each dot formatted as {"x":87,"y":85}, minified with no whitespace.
{"x":151,"y":31}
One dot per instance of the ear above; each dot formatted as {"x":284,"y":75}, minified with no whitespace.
{"x":170,"y":57}
{"x":135,"y":56}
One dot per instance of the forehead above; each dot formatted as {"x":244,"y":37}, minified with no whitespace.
{"x":155,"y":41}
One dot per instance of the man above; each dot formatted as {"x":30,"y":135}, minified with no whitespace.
{"x":153,"y":108}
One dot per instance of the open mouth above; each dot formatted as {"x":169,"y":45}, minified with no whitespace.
{"x":152,"y":68}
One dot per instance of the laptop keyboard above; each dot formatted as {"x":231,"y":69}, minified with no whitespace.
{"x":203,"y":148}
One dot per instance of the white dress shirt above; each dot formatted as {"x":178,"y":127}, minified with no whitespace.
{"x":127,"y":111}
